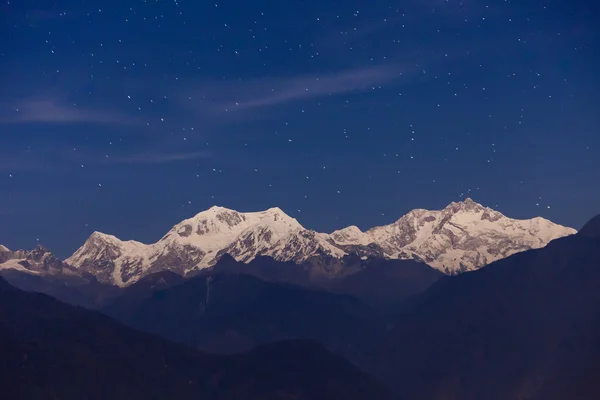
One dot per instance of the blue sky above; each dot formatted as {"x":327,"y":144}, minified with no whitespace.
{"x":129,"y":116}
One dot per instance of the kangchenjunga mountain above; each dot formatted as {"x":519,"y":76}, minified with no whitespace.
{"x":463,"y":236}
{"x":525,"y":327}
{"x":51,"y":350}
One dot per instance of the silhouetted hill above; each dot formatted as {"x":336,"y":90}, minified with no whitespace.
{"x":50,"y":350}
{"x":264,"y":268}
{"x":382,"y":284}
{"x":76,"y":290}
{"x":526,"y":327}
{"x":591,"y":229}
{"x":235,"y":312}
{"x":131,"y":297}
{"x":387,"y":284}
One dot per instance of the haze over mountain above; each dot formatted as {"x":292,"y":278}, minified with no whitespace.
{"x":463,"y":236}
{"x":525,"y":327}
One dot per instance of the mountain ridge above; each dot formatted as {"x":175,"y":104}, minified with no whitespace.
{"x":461,"y":237}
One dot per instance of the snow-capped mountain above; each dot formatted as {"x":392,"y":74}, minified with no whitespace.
{"x":199,"y":242}
{"x":463,"y":236}
{"x":39,"y":261}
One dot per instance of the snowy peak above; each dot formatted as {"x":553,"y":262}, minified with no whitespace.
{"x":350,"y":235}
{"x":592,"y":228}
{"x":99,"y":237}
{"x":470,"y":210}
{"x":219,"y":226}
{"x":37,"y":261}
{"x":463,"y":236}
{"x":195,"y":243}
{"x":467,"y":205}
{"x":101,"y":245}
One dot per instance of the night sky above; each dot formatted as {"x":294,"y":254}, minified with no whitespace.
{"x":128,"y":116}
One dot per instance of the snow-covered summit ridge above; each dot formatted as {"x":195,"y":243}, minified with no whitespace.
{"x":199,"y":242}
{"x":37,"y":261}
{"x":463,"y":236}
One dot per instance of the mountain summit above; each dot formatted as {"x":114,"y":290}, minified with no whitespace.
{"x":199,"y":242}
{"x":463,"y":236}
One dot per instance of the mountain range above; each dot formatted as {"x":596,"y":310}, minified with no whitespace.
{"x":464,"y":236}
{"x":524,"y":327}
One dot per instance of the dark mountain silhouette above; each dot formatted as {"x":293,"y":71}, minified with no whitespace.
{"x":387,"y":284}
{"x":264,"y":268}
{"x":591,"y":229}
{"x":234,"y":312}
{"x":130,"y":298}
{"x":526,"y":327}
{"x":382,"y":284}
{"x":84,"y":291}
{"x":51,"y":350}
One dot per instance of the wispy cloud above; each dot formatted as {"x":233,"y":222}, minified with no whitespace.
{"x":245,"y":95}
{"x":52,"y":110}
{"x":56,"y":160}
{"x":157,"y":158}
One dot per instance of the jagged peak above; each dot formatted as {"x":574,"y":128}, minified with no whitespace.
{"x":211,"y":212}
{"x":469,"y":202}
{"x":348,"y":229}
{"x":544,"y":221}
{"x":216,"y":211}
{"x":4,"y":248}
{"x":40,"y":248}
{"x":111,"y":239}
{"x":104,"y":236}
{"x":466,"y":205}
